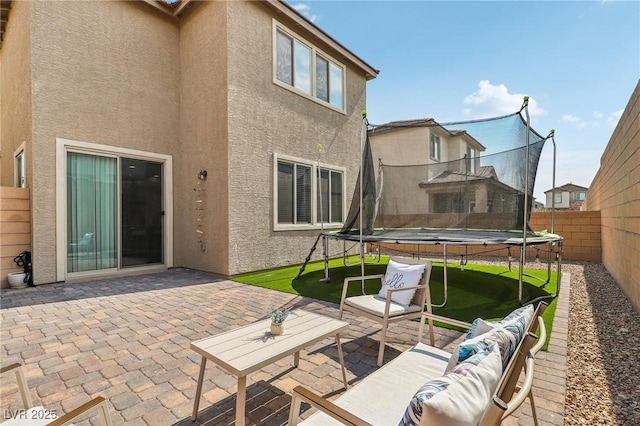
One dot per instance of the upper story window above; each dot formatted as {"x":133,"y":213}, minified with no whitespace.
{"x":307,"y":195}
{"x":580,"y":196}
{"x":557,"y":197}
{"x":310,"y":72}
{"x":434,"y":147}
{"x":20,"y":167}
{"x":471,"y":160}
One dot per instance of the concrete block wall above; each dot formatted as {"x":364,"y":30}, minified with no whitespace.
{"x":580,"y":230}
{"x":15,"y":228}
{"x":615,"y":192}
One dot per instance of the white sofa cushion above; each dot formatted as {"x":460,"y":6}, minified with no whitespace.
{"x":400,"y":275}
{"x":381,"y":398}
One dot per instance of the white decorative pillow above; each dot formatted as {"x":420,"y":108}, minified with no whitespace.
{"x":461,"y":396}
{"x":399,"y":275}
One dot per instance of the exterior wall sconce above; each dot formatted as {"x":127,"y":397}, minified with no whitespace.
{"x":202,"y":175}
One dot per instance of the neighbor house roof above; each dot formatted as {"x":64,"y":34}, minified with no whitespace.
{"x":569,"y":187}
{"x":394,"y":126}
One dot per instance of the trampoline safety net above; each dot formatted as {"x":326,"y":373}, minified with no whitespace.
{"x":480,"y":193}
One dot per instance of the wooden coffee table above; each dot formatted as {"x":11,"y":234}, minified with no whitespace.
{"x":249,"y":348}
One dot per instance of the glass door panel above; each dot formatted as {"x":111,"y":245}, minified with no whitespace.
{"x":91,"y":212}
{"x":142,"y":215}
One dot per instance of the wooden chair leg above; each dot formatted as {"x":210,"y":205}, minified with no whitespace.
{"x":533,"y":408}
{"x":383,"y":335}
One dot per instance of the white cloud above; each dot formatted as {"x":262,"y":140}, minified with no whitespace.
{"x":598,"y":118}
{"x":613,"y":118}
{"x":490,"y":100}
{"x":305,"y":10}
{"x":570,"y":118}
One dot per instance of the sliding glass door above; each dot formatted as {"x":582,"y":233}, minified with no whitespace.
{"x":114,"y":212}
{"x":141,"y":212}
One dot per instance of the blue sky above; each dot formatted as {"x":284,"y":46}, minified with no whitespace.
{"x":579,"y":61}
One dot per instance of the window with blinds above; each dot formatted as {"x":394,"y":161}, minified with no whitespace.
{"x":308,"y":195}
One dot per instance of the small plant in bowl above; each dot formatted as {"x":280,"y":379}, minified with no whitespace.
{"x":277,"y":318}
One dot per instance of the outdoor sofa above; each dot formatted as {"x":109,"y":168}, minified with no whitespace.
{"x":425,"y":385}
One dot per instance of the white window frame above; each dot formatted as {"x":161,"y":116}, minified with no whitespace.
{"x":435,"y":147}
{"x":581,"y":196}
{"x":557,"y":197}
{"x":66,"y":145}
{"x":471,"y":159}
{"x":315,"y":220}
{"x":20,"y":152}
{"x":312,"y":69}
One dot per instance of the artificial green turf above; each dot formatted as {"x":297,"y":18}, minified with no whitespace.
{"x":488,"y":292}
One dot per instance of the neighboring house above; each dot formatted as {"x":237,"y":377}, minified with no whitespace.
{"x":566,"y":197}
{"x":423,"y":141}
{"x":155,"y":135}
{"x":457,"y":156}
{"x":537,"y":206}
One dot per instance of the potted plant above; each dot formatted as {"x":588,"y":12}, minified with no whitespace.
{"x":277,"y":318}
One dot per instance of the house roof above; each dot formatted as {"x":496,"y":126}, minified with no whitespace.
{"x":284,"y":8}
{"x":180,"y":7}
{"x":394,"y":126}
{"x":569,"y":187}
{"x":449,"y":176}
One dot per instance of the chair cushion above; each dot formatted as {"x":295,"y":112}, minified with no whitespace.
{"x":461,"y":396}
{"x":375,"y":305}
{"x":399,"y":275}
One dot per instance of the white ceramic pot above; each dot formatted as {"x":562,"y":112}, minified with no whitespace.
{"x":276,"y":329}
{"x":16,"y":279}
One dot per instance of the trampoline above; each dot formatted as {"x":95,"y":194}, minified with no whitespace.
{"x":484,"y":198}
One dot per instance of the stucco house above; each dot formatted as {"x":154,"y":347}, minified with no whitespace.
{"x":566,"y":197}
{"x":455,"y":159}
{"x":154,"y":135}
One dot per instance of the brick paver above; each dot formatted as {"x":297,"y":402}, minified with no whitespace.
{"x":127,"y":339}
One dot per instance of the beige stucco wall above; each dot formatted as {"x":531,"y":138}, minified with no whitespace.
{"x":203,"y":134}
{"x":266,"y":119}
{"x":105,"y":72}
{"x":615,"y":191}
{"x":15,"y":91}
{"x":402,"y":147}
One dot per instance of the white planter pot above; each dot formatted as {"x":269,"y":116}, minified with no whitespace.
{"x":277,"y":329}
{"x":16,"y":280}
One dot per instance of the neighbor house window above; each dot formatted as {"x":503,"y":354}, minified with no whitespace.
{"x":20,"y":170}
{"x":557,"y":198}
{"x":471,"y":160}
{"x":434,"y":147}
{"x":580,"y":196}
{"x":309,"y":71}
{"x":307,"y":195}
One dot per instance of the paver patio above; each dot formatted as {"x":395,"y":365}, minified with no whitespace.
{"x":127,"y":339}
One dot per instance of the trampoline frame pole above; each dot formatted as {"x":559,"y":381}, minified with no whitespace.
{"x":363,"y":132}
{"x":523,"y":251}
